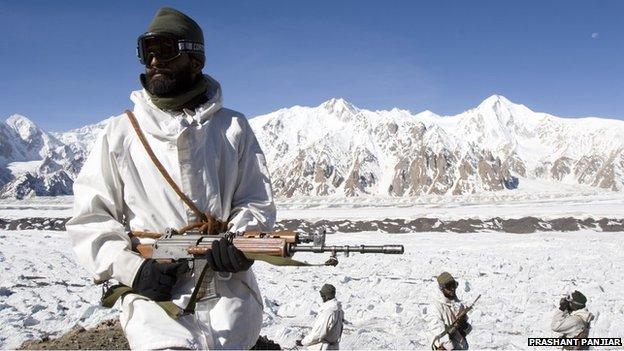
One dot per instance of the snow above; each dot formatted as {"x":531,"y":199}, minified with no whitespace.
{"x":23,"y":126}
{"x":337,"y":141}
{"x":329,"y":135}
{"x":545,"y":205}
{"x":540,"y":201}
{"x":521,"y":278}
{"x":18,"y":168}
{"x":385,"y":298}
{"x":45,"y":206}
{"x":84,"y":137}
{"x":42,"y":288}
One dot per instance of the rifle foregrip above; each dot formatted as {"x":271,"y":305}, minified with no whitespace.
{"x":257,"y":246}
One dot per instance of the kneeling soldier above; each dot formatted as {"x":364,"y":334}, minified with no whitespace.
{"x":572,"y":320}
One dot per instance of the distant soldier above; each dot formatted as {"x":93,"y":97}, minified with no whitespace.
{"x":447,"y":334}
{"x":327,"y":329}
{"x":572,"y":320}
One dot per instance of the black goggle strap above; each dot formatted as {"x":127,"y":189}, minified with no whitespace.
{"x":571,"y":300}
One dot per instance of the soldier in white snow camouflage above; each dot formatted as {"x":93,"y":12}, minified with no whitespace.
{"x":572,"y":320}
{"x":213,"y":157}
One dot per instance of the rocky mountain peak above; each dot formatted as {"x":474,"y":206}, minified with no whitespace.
{"x":337,"y":149}
{"x":501,"y":109}
{"x":339,"y":106}
{"x":23,"y":126}
{"x":494,"y":100}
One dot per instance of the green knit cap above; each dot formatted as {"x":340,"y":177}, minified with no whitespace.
{"x":578,"y":298}
{"x":445,"y":278}
{"x":172,"y":21}
{"x":328,"y":290}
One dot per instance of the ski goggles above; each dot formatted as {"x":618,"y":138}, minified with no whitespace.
{"x":570,"y":299}
{"x":164,"y":47}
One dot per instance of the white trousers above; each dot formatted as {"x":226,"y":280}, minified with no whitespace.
{"x":232,"y":321}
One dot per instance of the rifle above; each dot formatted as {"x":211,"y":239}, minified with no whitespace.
{"x":452,"y":328}
{"x":276,"y":248}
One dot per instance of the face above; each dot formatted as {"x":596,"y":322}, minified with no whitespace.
{"x":573,"y":306}
{"x":449,"y":290}
{"x":171,"y":77}
{"x":325,"y":297}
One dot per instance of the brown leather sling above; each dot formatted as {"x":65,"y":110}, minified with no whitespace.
{"x":207,"y":223}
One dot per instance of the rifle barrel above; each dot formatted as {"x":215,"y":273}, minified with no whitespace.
{"x":383,"y":249}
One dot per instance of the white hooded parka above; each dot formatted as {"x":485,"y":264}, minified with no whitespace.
{"x":442,"y":313}
{"x":571,"y":324}
{"x":213,"y":156}
{"x":327,"y":329}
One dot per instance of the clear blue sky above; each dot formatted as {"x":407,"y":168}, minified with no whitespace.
{"x":66,"y":64}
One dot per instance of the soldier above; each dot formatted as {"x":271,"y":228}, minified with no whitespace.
{"x":572,"y":320}
{"x":442,"y":314}
{"x":327,"y":329}
{"x":219,"y":180}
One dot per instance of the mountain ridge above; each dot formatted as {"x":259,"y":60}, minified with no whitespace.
{"x":339,"y":149}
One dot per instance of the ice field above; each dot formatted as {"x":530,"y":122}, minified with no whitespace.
{"x":385,"y":297}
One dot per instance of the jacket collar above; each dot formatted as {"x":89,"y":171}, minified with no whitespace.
{"x":445,"y":300}
{"x":167,"y":124}
{"x":332,"y":304}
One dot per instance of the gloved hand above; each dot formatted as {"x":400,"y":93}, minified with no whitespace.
{"x":225,"y":257}
{"x":463,"y":327}
{"x":564,"y":304}
{"x":155,"y":280}
{"x":298,"y":343}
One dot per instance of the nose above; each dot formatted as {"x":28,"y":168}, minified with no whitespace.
{"x":154,"y":61}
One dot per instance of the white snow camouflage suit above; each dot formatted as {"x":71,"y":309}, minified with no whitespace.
{"x":441,"y":313}
{"x":570,"y":324}
{"x":327,"y":328}
{"x":213,"y":156}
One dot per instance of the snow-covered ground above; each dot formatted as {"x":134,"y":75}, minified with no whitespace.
{"x":42,"y":287}
{"x":521,"y":278}
{"x":479,"y":206}
{"x":512,"y":204}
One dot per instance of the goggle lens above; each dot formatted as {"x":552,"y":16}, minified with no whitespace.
{"x":163,"y":48}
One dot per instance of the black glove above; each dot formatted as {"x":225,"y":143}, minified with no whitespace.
{"x":225,"y":257}
{"x":463,"y":327}
{"x":298,"y":343}
{"x":463,"y":319}
{"x":155,"y":280}
{"x":564,"y":305}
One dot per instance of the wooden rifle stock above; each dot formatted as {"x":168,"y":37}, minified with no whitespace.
{"x":271,"y":244}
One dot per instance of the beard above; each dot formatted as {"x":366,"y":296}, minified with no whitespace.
{"x":450,"y":294}
{"x":169,"y":82}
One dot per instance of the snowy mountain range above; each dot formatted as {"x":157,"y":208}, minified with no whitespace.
{"x":337,"y":149}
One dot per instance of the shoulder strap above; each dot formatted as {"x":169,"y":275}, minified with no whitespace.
{"x":115,"y":292}
{"x":585,"y":332}
{"x":161,"y":168}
